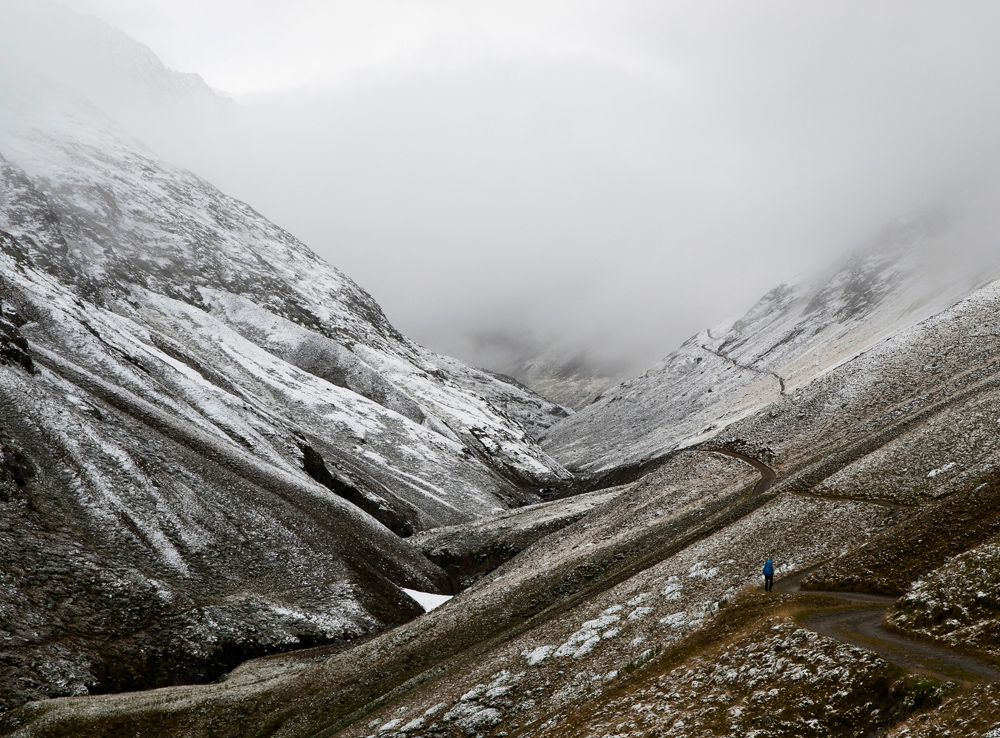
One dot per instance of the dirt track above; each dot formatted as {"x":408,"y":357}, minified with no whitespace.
{"x":862,"y":625}
{"x":767,"y":474}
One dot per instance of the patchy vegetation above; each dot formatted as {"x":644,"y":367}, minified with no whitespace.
{"x":957,"y":603}
{"x":776,"y":679}
{"x":920,"y":542}
{"x":668,"y":608}
{"x":470,"y":550}
{"x":970,"y":713}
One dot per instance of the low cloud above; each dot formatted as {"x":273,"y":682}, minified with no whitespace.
{"x":617,"y":181}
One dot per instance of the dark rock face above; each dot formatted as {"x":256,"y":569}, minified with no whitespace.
{"x":16,"y":469}
{"x":402,"y":522}
{"x":13,"y":346}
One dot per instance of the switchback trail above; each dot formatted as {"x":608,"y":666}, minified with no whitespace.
{"x":862,"y":626}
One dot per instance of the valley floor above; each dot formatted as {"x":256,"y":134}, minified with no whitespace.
{"x":641,"y":618}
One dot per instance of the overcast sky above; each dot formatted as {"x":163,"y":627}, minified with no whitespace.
{"x":614,"y":174}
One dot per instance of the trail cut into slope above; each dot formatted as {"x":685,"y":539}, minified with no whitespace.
{"x":863,"y":626}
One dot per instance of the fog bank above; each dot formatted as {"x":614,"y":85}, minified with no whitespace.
{"x":614,"y":176}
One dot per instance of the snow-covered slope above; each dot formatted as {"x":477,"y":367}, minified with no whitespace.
{"x":157,"y":247}
{"x":44,"y":42}
{"x":793,"y":334}
{"x":211,"y":440}
{"x":886,"y":465}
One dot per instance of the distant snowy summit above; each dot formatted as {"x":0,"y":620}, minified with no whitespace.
{"x":50,"y":46}
{"x":565,"y":373}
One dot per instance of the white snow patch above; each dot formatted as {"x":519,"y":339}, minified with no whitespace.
{"x":673,"y":589}
{"x":427,"y":600}
{"x":537,"y":655}
{"x":473,"y":694}
{"x":702,"y":570}
{"x":676,"y":620}
{"x":588,"y":636}
{"x":941,"y":469}
{"x":587,"y":647}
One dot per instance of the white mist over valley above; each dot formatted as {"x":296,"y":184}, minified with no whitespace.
{"x":604,"y":179}
{"x":449,"y":370}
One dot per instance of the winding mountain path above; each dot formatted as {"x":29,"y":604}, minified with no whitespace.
{"x":862,"y":626}
{"x":767,"y":474}
{"x":745,"y":367}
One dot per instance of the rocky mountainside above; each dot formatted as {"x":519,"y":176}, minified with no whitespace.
{"x":213,"y":443}
{"x":876,"y":479}
{"x":214,"y":447}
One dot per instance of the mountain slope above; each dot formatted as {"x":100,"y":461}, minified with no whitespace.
{"x":792,"y":335}
{"x":108,"y":218}
{"x":211,"y":439}
{"x":885,"y":466}
{"x":658,"y":581}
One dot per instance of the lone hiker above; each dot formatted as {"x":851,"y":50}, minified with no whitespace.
{"x":768,"y":575}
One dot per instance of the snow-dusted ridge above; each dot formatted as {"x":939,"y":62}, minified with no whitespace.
{"x":213,"y":446}
{"x":223,"y":427}
{"x":793,"y":335}
{"x":126,"y":220}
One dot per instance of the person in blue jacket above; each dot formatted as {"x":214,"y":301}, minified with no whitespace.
{"x":768,"y":575}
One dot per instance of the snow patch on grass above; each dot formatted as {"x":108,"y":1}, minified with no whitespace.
{"x":427,"y":600}
{"x":941,"y":469}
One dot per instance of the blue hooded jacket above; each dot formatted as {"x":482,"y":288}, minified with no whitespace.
{"x":768,"y":568}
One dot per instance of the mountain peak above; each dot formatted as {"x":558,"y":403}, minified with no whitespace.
{"x":57,"y":50}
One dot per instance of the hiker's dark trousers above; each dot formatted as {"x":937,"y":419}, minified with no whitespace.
{"x":768,"y":583}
